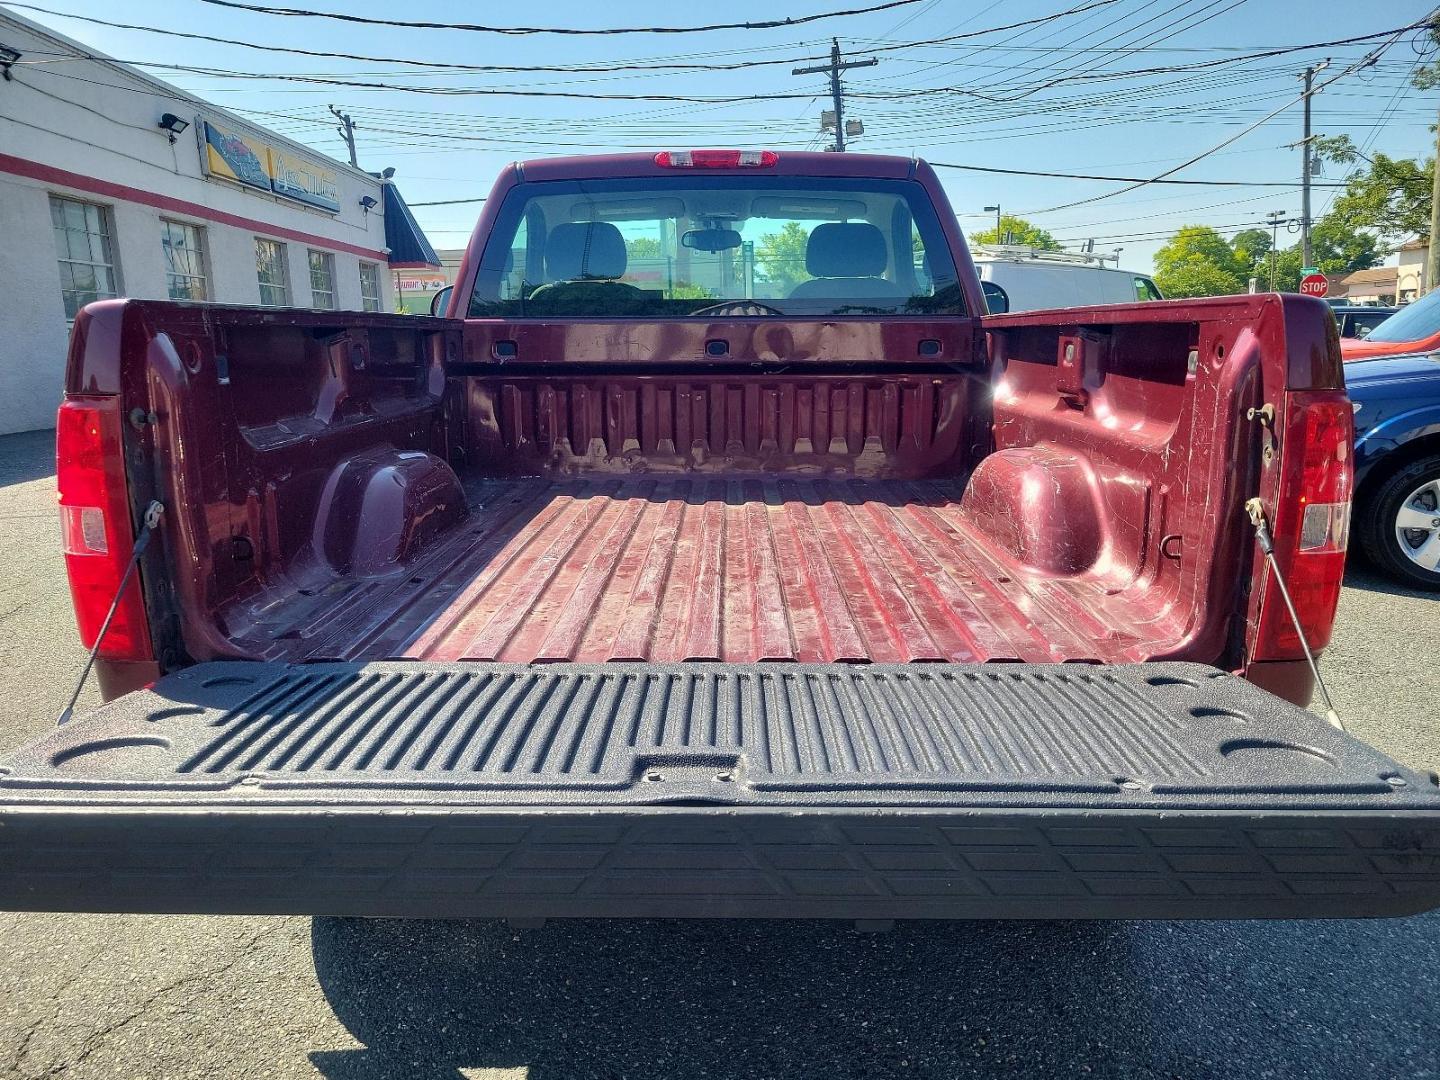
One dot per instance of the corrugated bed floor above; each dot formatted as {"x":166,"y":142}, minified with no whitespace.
{"x":670,"y":569}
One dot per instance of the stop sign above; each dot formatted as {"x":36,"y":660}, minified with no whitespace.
{"x":1314,"y":285}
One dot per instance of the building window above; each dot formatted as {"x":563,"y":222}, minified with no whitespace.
{"x":322,"y":280}
{"x":270,"y":267}
{"x":184,"y":260}
{"x":370,"y":286}
{"x":82,"y":242}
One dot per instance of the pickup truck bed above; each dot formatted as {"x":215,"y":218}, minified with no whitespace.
{"x":731,"y":569}
{"x":597,"y":598}
{"x":879,"y":791}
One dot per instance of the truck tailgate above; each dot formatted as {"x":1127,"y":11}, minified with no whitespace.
{"x":851,"y":791}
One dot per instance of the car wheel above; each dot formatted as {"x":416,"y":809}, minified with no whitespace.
{"x":1400,"y":524}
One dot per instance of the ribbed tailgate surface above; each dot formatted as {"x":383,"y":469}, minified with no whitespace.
{"x":715,"y":733}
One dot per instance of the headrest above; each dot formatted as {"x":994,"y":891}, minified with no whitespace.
{"x":845,"y":249}
{"x":584,"y":249}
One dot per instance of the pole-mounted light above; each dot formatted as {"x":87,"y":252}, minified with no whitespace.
{"x":996,"y":211}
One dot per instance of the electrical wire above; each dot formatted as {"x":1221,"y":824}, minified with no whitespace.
{"x":1122,"y":179}
{"x":1224,"y":143}
{"x":365,"y":20}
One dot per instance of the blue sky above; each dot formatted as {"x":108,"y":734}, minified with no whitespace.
{"x":450,"y":147}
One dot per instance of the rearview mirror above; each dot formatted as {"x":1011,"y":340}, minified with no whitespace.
{"x":441,"y":300}
{"x":997,"y":300}
{"x":711,"y":239}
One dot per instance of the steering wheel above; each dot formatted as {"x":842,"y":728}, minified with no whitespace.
{"x":738,"y":307}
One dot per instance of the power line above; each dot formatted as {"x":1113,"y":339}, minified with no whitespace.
{"x":1122,"y":179}
{"x":1364,"y":61}
{"x":770,"y":24}
{"x":617,"y":66}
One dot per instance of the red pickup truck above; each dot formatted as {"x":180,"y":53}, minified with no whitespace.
{"x":710,"y":556}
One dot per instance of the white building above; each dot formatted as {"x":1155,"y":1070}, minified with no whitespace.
{"x":100,"y":198}
{"x":1410,"y":282}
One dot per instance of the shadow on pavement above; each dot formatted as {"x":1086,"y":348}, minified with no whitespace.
{"x":26,"y":456}
{"x":792,"y":999}
{"x":1359,"y":574}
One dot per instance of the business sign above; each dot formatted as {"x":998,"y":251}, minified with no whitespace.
{"x":302,"y":180}
{"x":421,"y":282}
{"x":236,"y":157}
{"x":257,"y":164}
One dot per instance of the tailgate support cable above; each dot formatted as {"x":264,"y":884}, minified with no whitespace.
{"x":1256,"y":510}
{"x":153,"y":513}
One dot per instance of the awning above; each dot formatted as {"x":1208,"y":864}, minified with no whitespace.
{"x":409,"y":248}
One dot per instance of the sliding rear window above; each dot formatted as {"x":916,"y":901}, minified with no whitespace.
{"x":716,"y":245}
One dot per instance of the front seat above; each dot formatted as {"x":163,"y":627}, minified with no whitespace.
{"x":582,"y":261}
{"x":584,"y":251}
{"x":846,"y":260}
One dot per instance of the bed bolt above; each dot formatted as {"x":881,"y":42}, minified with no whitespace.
{"x":1395,"y":781}
{"x":653,"y":775}
{"x":1265,"y":414}
{"x":725,"y":777}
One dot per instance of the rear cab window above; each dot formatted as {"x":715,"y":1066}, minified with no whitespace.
{"x":664,"y":247}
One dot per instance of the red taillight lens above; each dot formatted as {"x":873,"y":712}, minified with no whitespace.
{"x":95,"y":526}
{"x":1312,"y":522}
{"x":716,"y":159}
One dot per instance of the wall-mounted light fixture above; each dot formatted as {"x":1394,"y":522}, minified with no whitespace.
{"x":8,"y":56}
{"x":387,"y":173}
{"x":368,"y":203}
{"x":172,"y":125}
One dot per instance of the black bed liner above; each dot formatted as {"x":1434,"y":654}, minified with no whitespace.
{"x":854,"y":791}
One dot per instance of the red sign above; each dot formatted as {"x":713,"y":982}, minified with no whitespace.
{"x":1314,"y":285}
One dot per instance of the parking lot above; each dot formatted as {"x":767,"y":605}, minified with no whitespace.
{"x":171,"y":996}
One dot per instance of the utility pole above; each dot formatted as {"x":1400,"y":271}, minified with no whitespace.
{"x":837,"y":95}
{"x":1276,"y":218}
{"x":346,"y":128}
{"x":1307,"y":157}
{"x":1432,"y":256}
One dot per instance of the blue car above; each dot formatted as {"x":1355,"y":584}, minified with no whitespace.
{"x":1397,"y":464}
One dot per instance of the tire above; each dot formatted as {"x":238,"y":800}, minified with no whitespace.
{"x":1410,"y":556}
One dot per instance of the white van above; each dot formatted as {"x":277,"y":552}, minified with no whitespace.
{"x":1034,"y":279}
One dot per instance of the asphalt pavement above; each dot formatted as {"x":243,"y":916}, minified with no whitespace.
{"x":173,"y":996}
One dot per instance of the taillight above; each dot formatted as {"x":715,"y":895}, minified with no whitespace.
{"x":716,"y":159}
{"x":1312,"y":522}
{"x":95,"y":526}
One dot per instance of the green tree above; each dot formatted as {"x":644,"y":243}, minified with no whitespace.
{"x":643,"y":247}
{"x":781,"y":256}
{"x":1390,"y":198}
{"x":1341,"y":249}
{"x":1022,"y":233}
{"x":1251,"y":246}
{"x":1336,"y":248}
{"x":1197,"y":261}
{"x":1428,"y":77}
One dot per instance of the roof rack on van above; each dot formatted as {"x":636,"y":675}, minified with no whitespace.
{"x":1018,"y":253}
